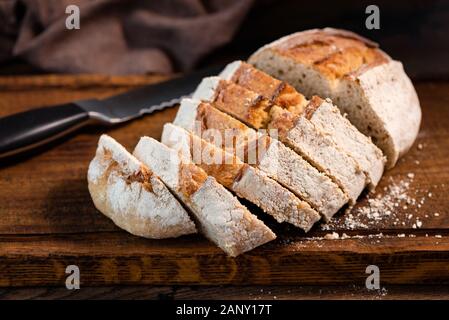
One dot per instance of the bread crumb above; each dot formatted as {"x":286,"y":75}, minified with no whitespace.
{"x":379,"y":207}
{"x":395,"y":204}
{"x":332,"y":236}
{"x":438,"y":236}
{"x":420,"y":146}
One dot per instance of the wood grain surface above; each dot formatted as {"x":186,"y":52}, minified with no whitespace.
{"x":47,"y":220}
{"x":144,"y":292}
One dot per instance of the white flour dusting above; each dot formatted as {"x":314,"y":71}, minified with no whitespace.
{"x":382,"y":206}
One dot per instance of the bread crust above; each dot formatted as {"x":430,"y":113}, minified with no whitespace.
{"x":336,"y":53}
{"x":243,"y":104}
{"x":395,"y":102}
{"x":277,"y":91}
{"x":127,"y":192}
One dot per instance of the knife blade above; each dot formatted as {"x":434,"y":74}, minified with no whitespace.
{"x":27,"y":130}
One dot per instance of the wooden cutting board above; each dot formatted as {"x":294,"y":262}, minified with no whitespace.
{"x":47,"y":220}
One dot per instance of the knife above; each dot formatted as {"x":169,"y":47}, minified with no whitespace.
{"x":26,"y":130}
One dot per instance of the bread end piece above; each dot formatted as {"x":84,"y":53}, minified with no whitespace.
{"x":127,"y":192}
{"x":387,"y":91}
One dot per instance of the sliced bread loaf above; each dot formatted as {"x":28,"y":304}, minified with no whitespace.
{"x":297,"y":132}
{"x":271,"y":156}
{"x":127,"y":192}
{"x":362,"y":81}
{"x":247,"y":182}
{"x":322,"y":113}
{"x":220,"y":216}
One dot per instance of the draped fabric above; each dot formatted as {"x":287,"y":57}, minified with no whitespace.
{"x":117,"y":36}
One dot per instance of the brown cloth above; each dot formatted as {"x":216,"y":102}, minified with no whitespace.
{"x":117,"y":36}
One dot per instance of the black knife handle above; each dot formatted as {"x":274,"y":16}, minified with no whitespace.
{"x":26,"y":130}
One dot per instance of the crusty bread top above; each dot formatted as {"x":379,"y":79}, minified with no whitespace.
{"x":279,"y":92}
{"x":236,"y":100}
{"x":336,"y":53}
{"x":191,"y":178}
{"x":250,"y":107}
{"x":282,"y":120}
{"x":313,"y":104}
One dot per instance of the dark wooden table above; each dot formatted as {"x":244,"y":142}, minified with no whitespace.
{"x":47,"y":221}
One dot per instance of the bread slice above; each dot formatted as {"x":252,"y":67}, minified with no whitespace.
{"x":297,"y":132}
{"x":220,"y":216}
{"x":327,"y":117}
{"x":127,"y":192}
{"x":322,"y":113}
{"x":362,"y":81}
{"x":277,"y":161}
{"x":247,"y":182}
